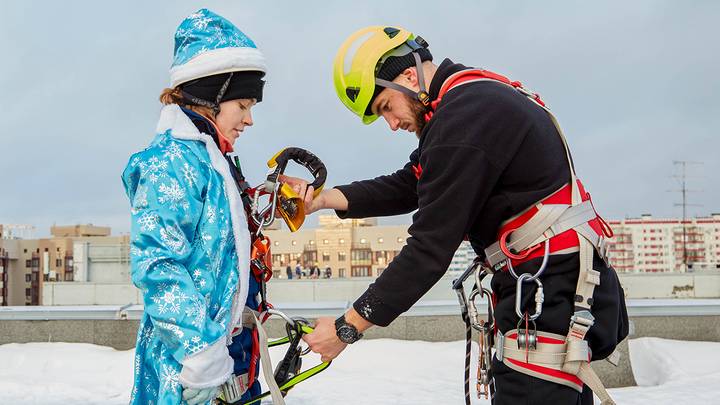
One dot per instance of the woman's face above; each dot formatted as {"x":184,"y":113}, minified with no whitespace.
{"x":233,"y":117}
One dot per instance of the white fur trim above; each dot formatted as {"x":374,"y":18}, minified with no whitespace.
{"x":208,"y":368}
{"x":216,"y":61}
{"x":173,"y":118}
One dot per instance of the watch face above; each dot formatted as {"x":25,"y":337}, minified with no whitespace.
{"x":346,"y":334}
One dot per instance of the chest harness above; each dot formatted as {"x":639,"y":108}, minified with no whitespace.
{"x":561,"y":223}
{"x":282,"y":199}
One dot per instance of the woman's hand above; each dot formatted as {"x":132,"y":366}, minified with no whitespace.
{"x":199,"y":396}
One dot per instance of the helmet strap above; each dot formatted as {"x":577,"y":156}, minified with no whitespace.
{"x":214,"y":106}
{"x":422,"y":95}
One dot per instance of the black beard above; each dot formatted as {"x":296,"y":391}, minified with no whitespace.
{"x":418,"y":110}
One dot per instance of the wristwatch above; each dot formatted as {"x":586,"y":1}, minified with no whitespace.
{"x":346,"y":332}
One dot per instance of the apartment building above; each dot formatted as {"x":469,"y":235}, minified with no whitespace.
{"x":25,"y":264}
{"x":662,"y":245}
{"x":349,"y":247}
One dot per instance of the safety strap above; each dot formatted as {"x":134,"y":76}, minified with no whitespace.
{"x":547,"y":362}
{"x":266,"y":365}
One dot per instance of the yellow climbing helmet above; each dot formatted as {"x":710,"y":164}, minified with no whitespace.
{"x":359,"y":59}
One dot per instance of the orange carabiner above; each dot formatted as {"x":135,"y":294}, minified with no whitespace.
{"x":515,"y":255}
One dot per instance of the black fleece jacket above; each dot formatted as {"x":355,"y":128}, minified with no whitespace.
{"x":487,"y":154}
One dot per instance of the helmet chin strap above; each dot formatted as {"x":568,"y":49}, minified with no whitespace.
{"x":215,"y":106}
{"x":422,"y":95}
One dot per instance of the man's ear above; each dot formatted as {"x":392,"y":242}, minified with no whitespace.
{"x":410,"y":75}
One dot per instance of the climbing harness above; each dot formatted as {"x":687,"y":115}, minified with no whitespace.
{"x":282,"y":199}
{"x":564,"y":222}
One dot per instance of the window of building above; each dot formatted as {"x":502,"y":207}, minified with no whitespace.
{"x":342,"y":241}
{"x":312,"y":242}
{"x":28,"y":263}
{"x":28,"y":292}
{"x":325,"y":241}
{"x":326,"y":256}
{"x":28,"y":278}
{"x":68,"y":277}
{"x":24,"y":250}
{"x":361,"y":271}
{"x":380,"y":240}
{"x":341,"y":272}
{"x":342,"y":256}
{"x":277,"y":243}
{"x":58,"y":262}
{"x":363,"y":240}
{"x":293,"y":243}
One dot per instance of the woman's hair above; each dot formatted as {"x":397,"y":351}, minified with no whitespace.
{"x":174,"y":96}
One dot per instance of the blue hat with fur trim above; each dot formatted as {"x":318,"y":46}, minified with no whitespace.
{"x":207,"y":44}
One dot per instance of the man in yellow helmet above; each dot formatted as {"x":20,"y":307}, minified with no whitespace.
{"x":491,"y":166}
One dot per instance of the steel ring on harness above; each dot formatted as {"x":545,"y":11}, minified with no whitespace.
{"x":543,"y":265}
{"x":509,"y":252}
{"x":539,"y":296}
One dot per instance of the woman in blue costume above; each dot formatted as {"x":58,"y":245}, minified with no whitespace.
{"x":190,"y":242}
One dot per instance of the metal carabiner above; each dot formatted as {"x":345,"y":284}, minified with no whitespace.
{"x":542,"y":268}
{"x":539,"y":296}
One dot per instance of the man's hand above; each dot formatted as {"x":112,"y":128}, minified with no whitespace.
{"x":305,"y":192}
{"x":324,"y":340}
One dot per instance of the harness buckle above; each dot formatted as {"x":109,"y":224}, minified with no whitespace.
{"x":234,"y":388}
{"x":499,"y":345}
{"x":583,"y":317}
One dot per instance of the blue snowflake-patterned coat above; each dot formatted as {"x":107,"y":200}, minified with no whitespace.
{"x":190,"y":253}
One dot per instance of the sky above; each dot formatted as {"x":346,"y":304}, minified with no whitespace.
{"x":633,"y":84}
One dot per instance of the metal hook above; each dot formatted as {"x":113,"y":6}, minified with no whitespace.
{"x":540,"y":271}
{"x":539,"y":296}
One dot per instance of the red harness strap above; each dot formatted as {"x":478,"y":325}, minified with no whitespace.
{"x":558,"y":243}
{"x":468,"y":75}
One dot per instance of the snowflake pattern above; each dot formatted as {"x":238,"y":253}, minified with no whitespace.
{"x":140,"y":201}
{"x":194,"y":345}
{"x":173,"y":195}
{"x":146,"y":335}
{"x":169,"y":377}
{"x":148,"y":221}
{"x":196,"y":311}
{"x":180,"y":309}
{"x":211,"y":214}
{"x":174,"y":239}
{"x":169,"y":299}
{"x":189,"y":174}
{"x":173,"y":151}
{"x":154,"y":169}
{"x":214,"y":32}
